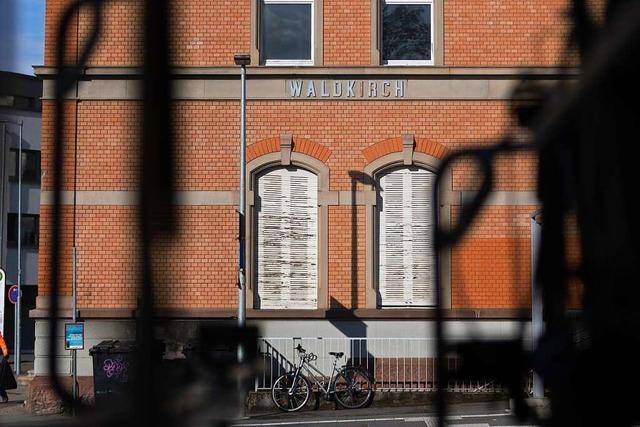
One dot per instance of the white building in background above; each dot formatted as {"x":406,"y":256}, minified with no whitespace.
{"x":20,"y":103}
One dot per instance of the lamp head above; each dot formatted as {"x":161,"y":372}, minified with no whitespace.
{"x":242,"y":59}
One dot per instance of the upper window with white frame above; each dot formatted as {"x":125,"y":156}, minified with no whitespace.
{"x":407,"y":32}
{"x":286,"y":32}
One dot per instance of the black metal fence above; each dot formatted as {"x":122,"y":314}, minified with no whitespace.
{"x":584,"y":136}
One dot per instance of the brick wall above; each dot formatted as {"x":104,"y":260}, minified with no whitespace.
{"x":46,"y":250}
{"x":207,"y":134}
{"x":347,"y":32}
{"x":507,"y":33}
{"x":200,"y":256}
{"x":346,"y":257}
{"x":347,"y":128}
{"x":210,"y":33}
{"x":202,"y":33}
{"x":121,"y":40}
{"x":47,"y":162}
{"x":53,"y":15}
{"x":476,"y":33}
{"x":484,"y":273}
{"x":491,"y":266}
{"x":108,"y":255}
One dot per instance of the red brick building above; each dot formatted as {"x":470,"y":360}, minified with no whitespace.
{"x":352,"y":105}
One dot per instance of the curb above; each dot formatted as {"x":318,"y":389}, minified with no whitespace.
{"x":260,"y":401}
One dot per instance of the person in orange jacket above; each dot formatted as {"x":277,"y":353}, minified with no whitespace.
{"x":7,"y":379}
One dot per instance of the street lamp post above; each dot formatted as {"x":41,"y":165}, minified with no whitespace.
{"x":242,"y":60}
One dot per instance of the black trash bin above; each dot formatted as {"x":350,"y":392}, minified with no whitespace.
{"x":113,"y":371}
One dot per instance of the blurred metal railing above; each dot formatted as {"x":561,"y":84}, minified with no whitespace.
{"x":395,"y":363}
{"x":569,"y":127}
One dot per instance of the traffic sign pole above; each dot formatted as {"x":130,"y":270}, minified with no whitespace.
{"x":17,"y":351}
{"x":14,"y":298}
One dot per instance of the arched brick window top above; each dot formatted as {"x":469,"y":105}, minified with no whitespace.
{"x":286,"y":144}
{"x":286,"y":152}
{"x":399,"y":154}
{"x":407,"y":145}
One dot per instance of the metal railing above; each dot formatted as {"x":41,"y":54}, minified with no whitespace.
{"x":395,"y":364}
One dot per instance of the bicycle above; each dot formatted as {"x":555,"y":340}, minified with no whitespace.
{"x":350,"y":386}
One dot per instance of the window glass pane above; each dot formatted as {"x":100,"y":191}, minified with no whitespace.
{"x":12,"y":230}
{"x":30,"y":165}
{"x":406,"y":32}
{"x":29,"y":231}
{"x":286,"y":31}
{"x":12,"y":164}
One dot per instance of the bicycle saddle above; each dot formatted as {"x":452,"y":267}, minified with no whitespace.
{"x":338,"y":355}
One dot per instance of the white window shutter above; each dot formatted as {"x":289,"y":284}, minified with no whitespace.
{"x":405,"y":238}
{"x":287,"y":271}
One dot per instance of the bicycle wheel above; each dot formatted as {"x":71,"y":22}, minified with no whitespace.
{"x":353,"y":389}
{"x":288,"y":396}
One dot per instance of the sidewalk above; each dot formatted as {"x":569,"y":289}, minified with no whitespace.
{"x":459,"y":413}
{"x":484,"y":414}
{"x":15,"y":405}
{"x":14,"y":412}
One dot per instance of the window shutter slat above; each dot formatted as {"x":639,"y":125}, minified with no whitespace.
{"x":287,"y":239}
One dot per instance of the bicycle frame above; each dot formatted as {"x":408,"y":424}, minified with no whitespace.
{"x":311,"y":370}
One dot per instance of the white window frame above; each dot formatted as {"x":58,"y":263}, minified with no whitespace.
{"x":294,"y":62}
{"x":416,"y":62}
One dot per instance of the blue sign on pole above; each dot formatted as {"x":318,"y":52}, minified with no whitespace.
{"x":13,"y":294}
{"x":74,"y":336}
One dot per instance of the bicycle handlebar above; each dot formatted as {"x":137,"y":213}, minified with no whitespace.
{"x":303,"y":353}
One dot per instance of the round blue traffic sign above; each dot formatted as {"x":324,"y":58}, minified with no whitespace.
{"x":13,"y":294}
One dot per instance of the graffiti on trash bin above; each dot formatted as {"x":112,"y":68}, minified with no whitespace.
{"x":116,"y":368}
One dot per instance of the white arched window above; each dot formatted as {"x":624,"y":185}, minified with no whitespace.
{"x":406,"y":261}
{"x":287,"y":239}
